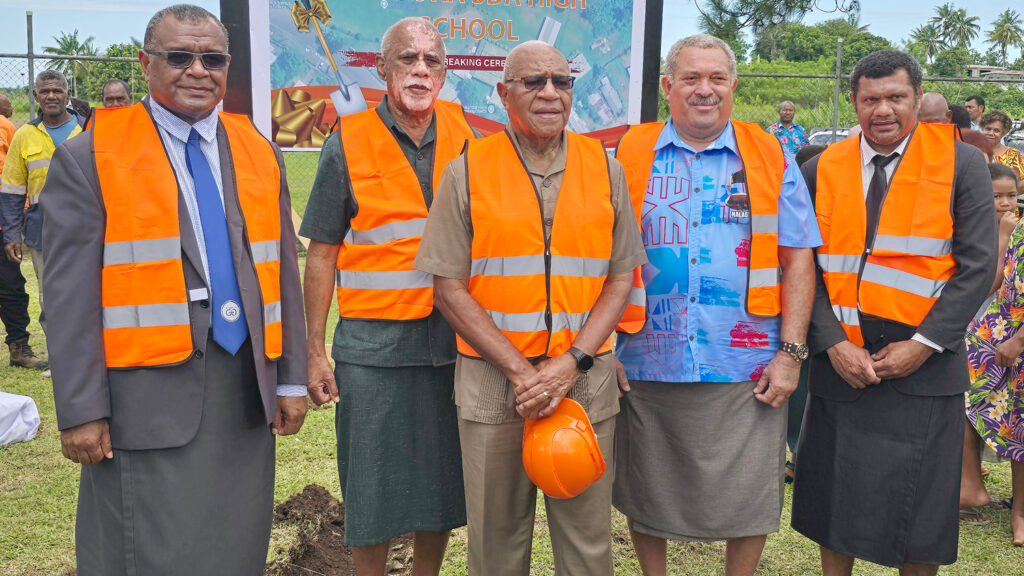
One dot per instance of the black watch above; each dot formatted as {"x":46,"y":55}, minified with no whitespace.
{"x":584,"y":361}
{"x":799,"y":352}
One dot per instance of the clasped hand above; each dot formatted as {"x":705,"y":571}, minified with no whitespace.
{"x":540,"y":392}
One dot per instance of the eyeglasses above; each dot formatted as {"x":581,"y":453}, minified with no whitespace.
{"x":184,"y":60}
{"x":531,"y":83}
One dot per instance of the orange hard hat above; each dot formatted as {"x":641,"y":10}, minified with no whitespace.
{"x":560,"y":452}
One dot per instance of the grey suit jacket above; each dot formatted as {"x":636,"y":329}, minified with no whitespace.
{"x":149,"y":408}
{"x":974,"y":249}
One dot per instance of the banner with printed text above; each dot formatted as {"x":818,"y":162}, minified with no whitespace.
{"x":321,"y":55}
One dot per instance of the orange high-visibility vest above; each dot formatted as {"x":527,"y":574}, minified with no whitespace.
{"x":905,"y":270}
{"x":764,"y":164}
{"x":375,"y":277}
{"x":538,"y":295}
{"x":145,"y":303}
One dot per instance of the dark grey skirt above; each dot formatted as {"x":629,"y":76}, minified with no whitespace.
{"x":203,"y":508}
{"x":399,"y":459}
{"x":699,"y":461}
{"x":879,"y":478}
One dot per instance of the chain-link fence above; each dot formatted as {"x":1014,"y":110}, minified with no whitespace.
{"x":756,"y":99}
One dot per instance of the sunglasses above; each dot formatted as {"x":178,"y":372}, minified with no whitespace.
{"x":184,"y":60}
{"x":563,"y":83}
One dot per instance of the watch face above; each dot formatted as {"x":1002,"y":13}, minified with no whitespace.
{"x":585,"y":363}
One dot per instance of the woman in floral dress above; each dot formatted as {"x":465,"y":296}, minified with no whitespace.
{"x":995,"y":342}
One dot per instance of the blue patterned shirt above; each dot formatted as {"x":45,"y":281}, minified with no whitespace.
{"x":698,"y":249}
{"x":793,"y":139}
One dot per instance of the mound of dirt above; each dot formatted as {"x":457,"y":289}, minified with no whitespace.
{"x":320,"y":545}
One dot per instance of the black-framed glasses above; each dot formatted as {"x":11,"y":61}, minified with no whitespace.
{"x":182,"y":59}
{"x":563,"y":83}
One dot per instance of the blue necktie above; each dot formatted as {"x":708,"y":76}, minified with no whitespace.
{"x":229,"y":329}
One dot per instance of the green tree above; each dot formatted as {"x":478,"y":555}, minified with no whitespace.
{"x":806,"y":43}
{"x":69,"y":45}
{"x":953,"y":61}
{"x":727,"y":28}
{"x":1007,"y":30}
{"x":130,"y":72}
{"x":963,"y":29}
{"x":928,"y":37}
{"x":943,"y":19}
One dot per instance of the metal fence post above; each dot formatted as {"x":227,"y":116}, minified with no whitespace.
{"x":835,"y":101}
{"x":31,"y":70}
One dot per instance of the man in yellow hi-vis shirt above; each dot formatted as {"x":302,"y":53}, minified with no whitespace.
{"x":24,"y":174}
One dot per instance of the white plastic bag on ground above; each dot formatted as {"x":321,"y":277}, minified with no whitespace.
{"x":19,"y":418}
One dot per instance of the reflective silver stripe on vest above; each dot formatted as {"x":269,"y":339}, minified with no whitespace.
{"x":763,"y":277}
{"x":138,"y":251}
{"x":271,"y":313}
{"x":33,"y":200}
{"x":266,"y":251}
{"x":391,"y":280}
{"x":904,"y":281}
{"x":38,"y":164}
{"x":764,"y":223}
{"x":19,"y":189}
{"x":534,"y":265}
{"x":144,"y":316}
{"x":637,"y":297}
{"x":916,"y":245}
{"x":534,"y":321}
{"x":846,"y":315}
{"x":839,"y":262}
{"x":386,"y":233}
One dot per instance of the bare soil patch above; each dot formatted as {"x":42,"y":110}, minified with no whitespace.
{"x":320,"y":547}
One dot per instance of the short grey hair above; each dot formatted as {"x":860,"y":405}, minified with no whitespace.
{"x":189,"y":13}
{"x":510,"y":57}
{"x":784,"y":102}
{"x":123,"y":84}
{"x":697,"y":41}
{"x":48,"y":75}
{"x":387,"y":41}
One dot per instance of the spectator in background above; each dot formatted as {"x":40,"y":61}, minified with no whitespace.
{"x":13,"y":297}
{"x":116,"y":94}
{"x":995,"y":125}
{"x":792,"y":135}
{"x":24,"y":174}
{"x":960,"y":116}
{"x":995,"y":342}
{"x":975,"y":106}
{"x":934,"y":108}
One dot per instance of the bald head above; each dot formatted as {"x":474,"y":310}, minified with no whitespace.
{"x":525,"y":53}
{"x":5,"y":106}
{"x":396,"y":37}
{"x":934,"y":108}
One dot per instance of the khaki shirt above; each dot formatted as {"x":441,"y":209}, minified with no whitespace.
{"x":482,"y":392}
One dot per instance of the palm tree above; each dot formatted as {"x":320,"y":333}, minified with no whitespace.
{"x":1006,"y":31}
{"x":944,"y":16}
{"x":963,"y":29}
{"x":70,"y":45}
{"x":928,"y":38}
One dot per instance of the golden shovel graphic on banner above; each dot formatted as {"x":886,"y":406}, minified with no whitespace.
{"x":348,"y":98}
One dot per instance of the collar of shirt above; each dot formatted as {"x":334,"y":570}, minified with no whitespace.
{"x":389,"y":121}
{"x":867,"y":153}
{"x":726,"y":140}
{"x":557,"y":165}
{"x":178,"y":128}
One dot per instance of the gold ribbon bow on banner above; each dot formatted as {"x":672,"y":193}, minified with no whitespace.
{"x":301,"y":16}
{"x":296,"y":120}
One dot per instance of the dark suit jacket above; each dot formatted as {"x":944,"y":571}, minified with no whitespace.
{"x":148,"y":408}
{"x":974,"y":249}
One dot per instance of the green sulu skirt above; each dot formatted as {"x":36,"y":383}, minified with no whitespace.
{"x":399,"y":459}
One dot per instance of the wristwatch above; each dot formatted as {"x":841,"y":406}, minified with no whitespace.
{"x":799,"y":352}
{"x":584,"y":361}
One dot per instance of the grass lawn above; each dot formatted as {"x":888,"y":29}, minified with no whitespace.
{"x":38,"y":489}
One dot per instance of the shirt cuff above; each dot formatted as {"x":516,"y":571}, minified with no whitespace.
{"x":918,"y":337}
{"x":291,"y":390}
